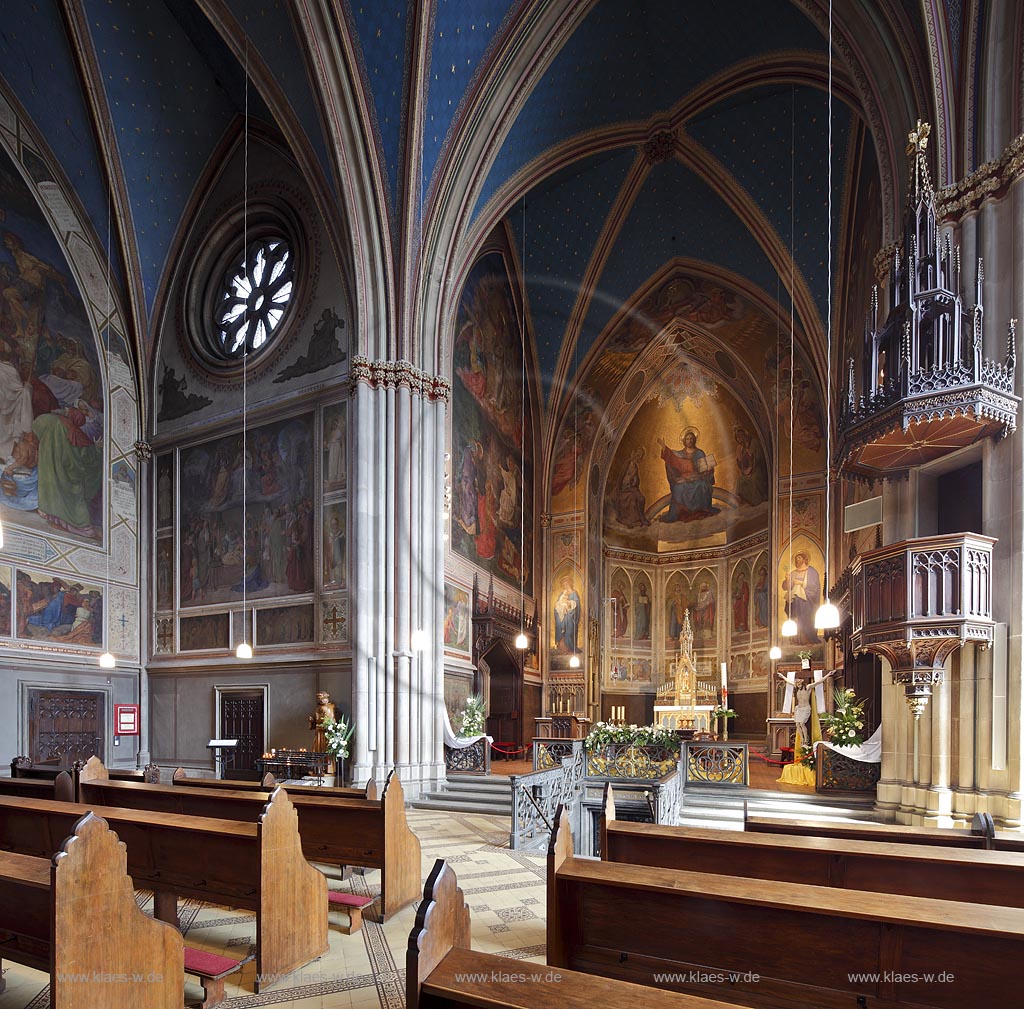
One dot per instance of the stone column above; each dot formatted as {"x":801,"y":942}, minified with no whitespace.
{"x":362,"y":590}
{"x":404,"y":462}
{"x":398,"y":571}
{"x":940,"y":796}
{"x":964,"y":735}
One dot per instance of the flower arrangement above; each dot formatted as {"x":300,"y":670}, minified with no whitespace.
{"x":845,"y":725}
{"x":472,"y":717}
{"x":807,"y":756}
{"x":337,"y":733}
{"x":605,"y":733}
{"x":721,"y":712}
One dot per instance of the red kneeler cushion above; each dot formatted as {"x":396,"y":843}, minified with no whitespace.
{"x":198,"y":961}
{"x":348,"y":899}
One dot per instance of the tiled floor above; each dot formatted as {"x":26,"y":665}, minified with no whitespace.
{"x":504,"y":889}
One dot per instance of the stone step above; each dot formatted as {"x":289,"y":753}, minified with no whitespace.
{"x":452,"y":805}
{"x":493,"y":783}
{"x":470,"y":793}
{"x":457,"y":795}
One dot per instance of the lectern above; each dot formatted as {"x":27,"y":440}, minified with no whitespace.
{"x":219,"y":746}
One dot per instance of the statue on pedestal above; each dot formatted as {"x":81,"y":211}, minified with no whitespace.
{"x":325,"y":711}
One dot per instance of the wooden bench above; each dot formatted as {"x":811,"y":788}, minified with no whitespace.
{"x":60,"y":787}
{"x":949,"y":836}
{"x":23,"y":767}
{"x":75,"y":916}
{"x":211,"y":969}
{"x":442,"y":972}
{"x":776,"y":943}
{"x":269,"y":783}
{"x":338,"y":831}
{"x":978,"y":877}
{"x":255,"y":866}
{"x":353,"y":904}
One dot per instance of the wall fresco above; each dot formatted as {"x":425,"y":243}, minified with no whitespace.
{"x":274,"y":481}
{"x":492,"y":489}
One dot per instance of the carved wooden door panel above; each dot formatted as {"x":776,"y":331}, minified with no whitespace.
{"x":241,"y":718}
{"x":504,"y":721}
{"x":66,"y":725}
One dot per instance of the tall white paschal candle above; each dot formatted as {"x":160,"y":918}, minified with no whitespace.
{"x":725,"y":686}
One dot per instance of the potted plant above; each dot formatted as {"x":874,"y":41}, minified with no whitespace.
{"x":631,"y":751}
{"x":337,"y":733}
{"x":472,"y":718}
{"x":845,"y":724}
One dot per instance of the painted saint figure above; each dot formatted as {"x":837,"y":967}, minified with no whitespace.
{"x":690,"y":479}
{"x":620,"y":612}
{"x":741,"y":606}
{"x":752,"y":484}
{"x":630,"y":503}
{"x":567,"y":619}
{"x":642,"y":614}
{"x":704,"y":612}
{"x":761,"y":600}
{"x":803,"y":595}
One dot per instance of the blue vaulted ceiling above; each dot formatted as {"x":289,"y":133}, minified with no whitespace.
{"x":169,"y":109}
{"x":270,"y":29}
{"x":754,"y":136}
{"x":460,"y":36}
{"x":675,"y":214}
{"x":51,"y":93}
{"x":382,"y":28}
{"x":563,"y":219}
{"x":175,"y":91}
{"x":629,"y":61}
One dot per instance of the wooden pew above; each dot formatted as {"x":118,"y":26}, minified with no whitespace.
{"x":61,"y":788}
{"x":23,"y":767}
{"x":75,"y":916}
{"x":442,"y":972}
{"x":810,"y":947}
{"x":269,"y":783}
{"x":256,"y":866}
{"x":341,"y":831}
{"x":978,"y":877}
{"x":951,"y":837}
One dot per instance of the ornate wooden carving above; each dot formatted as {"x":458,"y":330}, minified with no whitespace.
{"x":925,"y":388}
{"x":915,"y":602}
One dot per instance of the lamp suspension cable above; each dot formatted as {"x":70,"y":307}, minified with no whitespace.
{"x":827,"y":616}
{"x":244,"y":649}
{"x":789,"y":628}
{"x":107,"y":660}
{"x":574,"y":659}
{"x":775,"y":653}
{"x":522,"y":642}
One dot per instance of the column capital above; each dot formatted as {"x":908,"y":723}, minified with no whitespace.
{"x":395,"y":374}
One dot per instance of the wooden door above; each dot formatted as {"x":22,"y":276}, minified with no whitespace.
{"x":66,"y":725}
{"x":505,"y":718}
{"x":242,"y":715}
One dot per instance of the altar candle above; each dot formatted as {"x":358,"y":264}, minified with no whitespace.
{"x":724,"y":684}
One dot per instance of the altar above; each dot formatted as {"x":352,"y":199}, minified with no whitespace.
{"x":684,"y":700}
{"x":780,"y":735}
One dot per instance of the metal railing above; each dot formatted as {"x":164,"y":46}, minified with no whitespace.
{"x":475,"y":759}
{"x":715,"y":763}
{"x":626,"y":760}
{"x":536,"y":797}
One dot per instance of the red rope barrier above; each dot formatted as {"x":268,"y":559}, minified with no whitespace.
{"x":510,"y":751}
